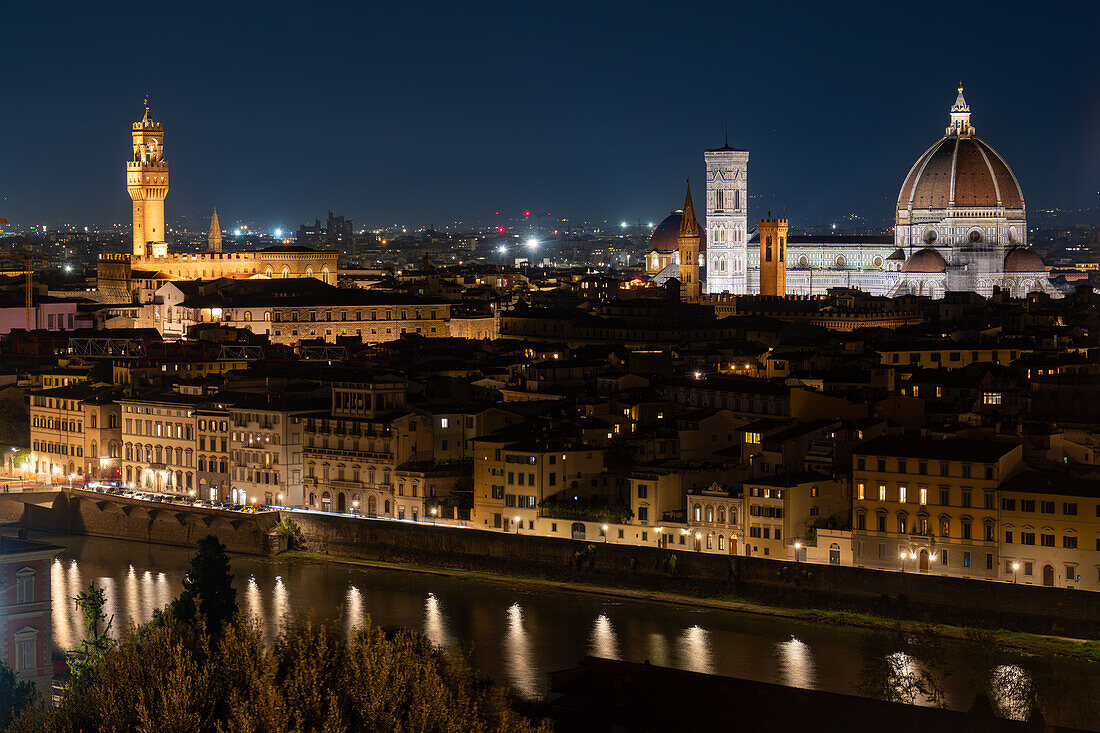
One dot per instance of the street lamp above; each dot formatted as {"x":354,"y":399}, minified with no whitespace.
{"x":902,"y":563}
{"x":435,"y":511}
{"x":517,"y":524}
{"x":355,"y":506}
{"x":603,"y":531}
{"x":797,"y":549}
{"x":1015,"y":567}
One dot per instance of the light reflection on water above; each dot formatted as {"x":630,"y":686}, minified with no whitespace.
{"x":796,"y":664}
{"x":696,"y":653}
{"x":517,"y":635}
{"x":353,"y":611}
{"x":517,"y":653}
{"x":435,"y":623}
{"x":604,"y":642}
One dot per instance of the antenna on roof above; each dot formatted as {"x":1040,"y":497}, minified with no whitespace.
{"x":727,"y":132}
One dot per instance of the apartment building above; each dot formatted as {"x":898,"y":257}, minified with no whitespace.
{"x":158,"y":436}
{"x":74,"y":432}
{"x":659,"y":491}
{"x":355,"y":445}
{"x":1050,"y":529}
{"x":715,"y":520}
{"x":784,"y":509}
{"x":26,"y":633}
{"x":513,"y":477}
{"x":928,"y":505}
{"x":267,"y":446}
{"x":212,"y":450}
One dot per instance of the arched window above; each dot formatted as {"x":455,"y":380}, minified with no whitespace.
{"x":95,"y":451}
{"x":248,"y":316}
{"x":721,"y":542}
{"x":697,"y":512}
{"x":325,"y":275}
{"x":267,"y":315}
{"x":286,"y":275}
{"x":710,"y":540}
{"x":721,"y":517}
{"x":710,"y":514}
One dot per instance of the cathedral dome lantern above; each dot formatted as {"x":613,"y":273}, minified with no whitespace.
{"x":960,"y":171}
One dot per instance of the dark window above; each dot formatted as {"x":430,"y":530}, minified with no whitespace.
{"x":1046,"y":507}
{"x":1008,"y":505}
{"x":1069,"y":508}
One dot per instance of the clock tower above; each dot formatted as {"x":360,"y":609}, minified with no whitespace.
{"x":147,"y":184}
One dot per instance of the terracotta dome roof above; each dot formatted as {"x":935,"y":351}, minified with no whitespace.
{"x":960,"y":172}
{"x":666,"y":236}
{"x":1023,"y":260}
{"x":925,"y":260}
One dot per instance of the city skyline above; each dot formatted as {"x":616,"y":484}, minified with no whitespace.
{"x":505,"y":138}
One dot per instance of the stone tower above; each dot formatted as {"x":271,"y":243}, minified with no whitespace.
{"x":727,"y":219}
{"x":689,"y":252}
{"x":773,"y":256}
{"x":147,"y":184}
{"x":214,"y":238}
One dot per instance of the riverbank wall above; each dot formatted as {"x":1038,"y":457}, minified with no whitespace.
{"x":911,"y":596}
{"x":102,"y":515}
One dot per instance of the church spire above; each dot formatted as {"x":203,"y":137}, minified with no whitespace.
{"x":214,"y":239}
{"x":689,"y":226}
{"x":960,"y":117}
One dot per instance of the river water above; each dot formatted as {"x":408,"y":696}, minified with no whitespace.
{"x":517,"y":634}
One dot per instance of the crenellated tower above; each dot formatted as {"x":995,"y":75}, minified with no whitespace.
{"x":773,"y":256}
{"x":688,"y":241}
{"x":147,"y":184}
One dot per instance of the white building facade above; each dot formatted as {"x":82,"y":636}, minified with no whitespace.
{"x":960,"y":225}
{"x":727,"y":220}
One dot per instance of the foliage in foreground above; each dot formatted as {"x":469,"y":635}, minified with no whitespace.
{"x":174,"y":676}
{"x":15,"y":695}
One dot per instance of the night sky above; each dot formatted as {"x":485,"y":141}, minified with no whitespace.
{"x":418,"y":114}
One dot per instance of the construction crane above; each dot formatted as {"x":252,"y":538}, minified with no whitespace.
{"x":28,"y":258}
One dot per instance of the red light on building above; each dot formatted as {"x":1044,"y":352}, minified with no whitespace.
{"x":527,"y":213}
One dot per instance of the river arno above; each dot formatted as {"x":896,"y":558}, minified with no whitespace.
{"x":517,"y":635}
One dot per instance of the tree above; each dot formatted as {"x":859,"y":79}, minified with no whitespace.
{"x":15,"y":695}
{"x":97,"y":641}
{"x":176,"y":676}
{"x":903,"y":667}
{"x":208,"y":587}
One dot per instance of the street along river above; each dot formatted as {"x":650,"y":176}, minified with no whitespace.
{"x":517,"y":634}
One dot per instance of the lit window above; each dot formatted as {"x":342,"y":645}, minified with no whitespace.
{"x":882,"y":492}
{"x":860,"y":490}
{"x":444,"y":422}
{"x":923,"y":496}
{"x":902,"y":494}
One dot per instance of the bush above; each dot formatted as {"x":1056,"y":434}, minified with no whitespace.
{"x":175,"y":676}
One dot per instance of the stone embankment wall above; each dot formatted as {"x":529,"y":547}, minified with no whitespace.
{"x":100,"y":515}
{"x":924,"y":597}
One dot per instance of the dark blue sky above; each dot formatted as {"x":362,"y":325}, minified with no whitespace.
{"x":419,"y":113}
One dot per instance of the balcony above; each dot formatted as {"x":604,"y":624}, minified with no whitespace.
{"x":317,"y":452}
